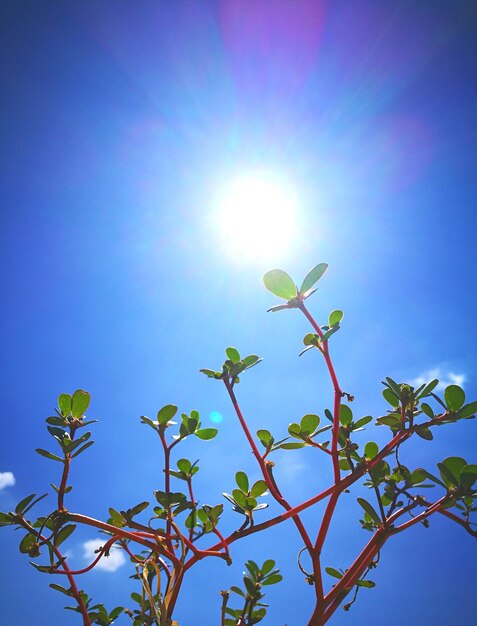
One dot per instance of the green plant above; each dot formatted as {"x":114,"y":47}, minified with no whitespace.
{"x":178,"y":533}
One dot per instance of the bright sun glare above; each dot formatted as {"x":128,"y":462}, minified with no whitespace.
{"x":256,"y":218}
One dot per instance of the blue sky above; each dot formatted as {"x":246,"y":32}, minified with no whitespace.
{"x":119,"y":122}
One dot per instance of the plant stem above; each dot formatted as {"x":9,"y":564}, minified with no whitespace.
{"x":167,"y":486}
{"x":263,"y":466}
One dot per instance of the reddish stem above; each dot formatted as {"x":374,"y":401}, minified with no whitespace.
{"x":263,"y":466}
{"x":338,"y":394}
{"x":167,"y":485}
{"x":192,"y":499}
{"x":74,"y":589}
{"x":103,"y":550}
{"x":124,"y":534}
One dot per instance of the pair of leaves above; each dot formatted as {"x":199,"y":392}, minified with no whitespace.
{"x":305,"y":430}
{"x":282,"y":285}
{"x":243,"y":503}
{"x":268,"y":441}
{"x":75,"y":405}
{"x":186,"y":469}
{"x":457,"y":473}
{"x":173,"y":501}
{"x":258,"y":489}
{"x":233,"y":366}
{"x":207,"y":517}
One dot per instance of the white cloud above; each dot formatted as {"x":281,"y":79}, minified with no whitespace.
{"x":109,"y":563}
{"x":291,"y":466}
{"x":7,"y":479}
{"x":445,"y":378}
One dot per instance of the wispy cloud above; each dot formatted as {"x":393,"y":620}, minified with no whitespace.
{"x":7,"y":479}
{"x":291,"y":466}
{"x":109,"y":563}
{"x":446,"y":378}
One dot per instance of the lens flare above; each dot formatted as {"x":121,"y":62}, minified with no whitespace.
{"x":215,"y":417}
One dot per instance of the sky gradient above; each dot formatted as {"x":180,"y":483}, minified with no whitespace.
{"x":119,"y":123}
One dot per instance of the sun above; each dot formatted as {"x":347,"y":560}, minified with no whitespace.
{"x":256,"y":217}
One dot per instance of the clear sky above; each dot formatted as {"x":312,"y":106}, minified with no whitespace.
{"x":121,"y":124}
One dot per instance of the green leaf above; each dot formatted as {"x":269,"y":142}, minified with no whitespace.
{"x":118,"y":519}
{"x":429,"y":388}
{"x":5,"y":519}
{"x":313,"y":277}
{"x":136,"y":597}
{"x":344,"y":464}
{"x":370,"y":450}
{"x":32,"y":503}
{"x":64,"y":533}
{"x":362,"y":422}
{"x":346,"y":415}
{"x":394,"y":386}
{"x":273,"y":580}
{"x":333,"y":572}
{"x":56,"y":421}
{"x":390,"y":397}
{"x":450,"y":469}
{"x":116,"y":612}
{"x":278,"y":307}
{"x":309,"y":423}
{"x":251,"y":360}
{"x":184,"y":465}
{"x":265,"y":437}
{"x":249,"y":585}
{"x":369,"y":584}
{"x":454,"y":397}
{"x":258,"y":489}
{"x":424,"y":433}
{"x":80,"y":403}
{"x":81,"y":450}
{"x":27,"y":543}
{"x":209,"y":373}
{"x":389,"y":420}
{"x":370,"y":511}
{"x":468,"y":476}
{"x":241,"y":479}
{"x":73,"y":444}
{"x":292,"y":446}
{"x":139,"y":508}
{"x":22,"y":505}
{"x":468,"y":410}
{"x":233,"y":354}
{"x":294,"y":430}
{"x":430,"y":476}
{"x":280,"y":284}
{"x":268,"y":566}
{"x":330,"y":332}
{"x":206,"y":433}
{"x":427,"y":410}
{"x":237,"y":590}
{"x":240,"y":498}
{"x":49,"y":455}
{"x":417,"y":477}
{"x":250,"y":503}
{"x":60,"y":588}
{"x":64,"y":403}
{"x":335,"y":317}
{"x":165,"y":414}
